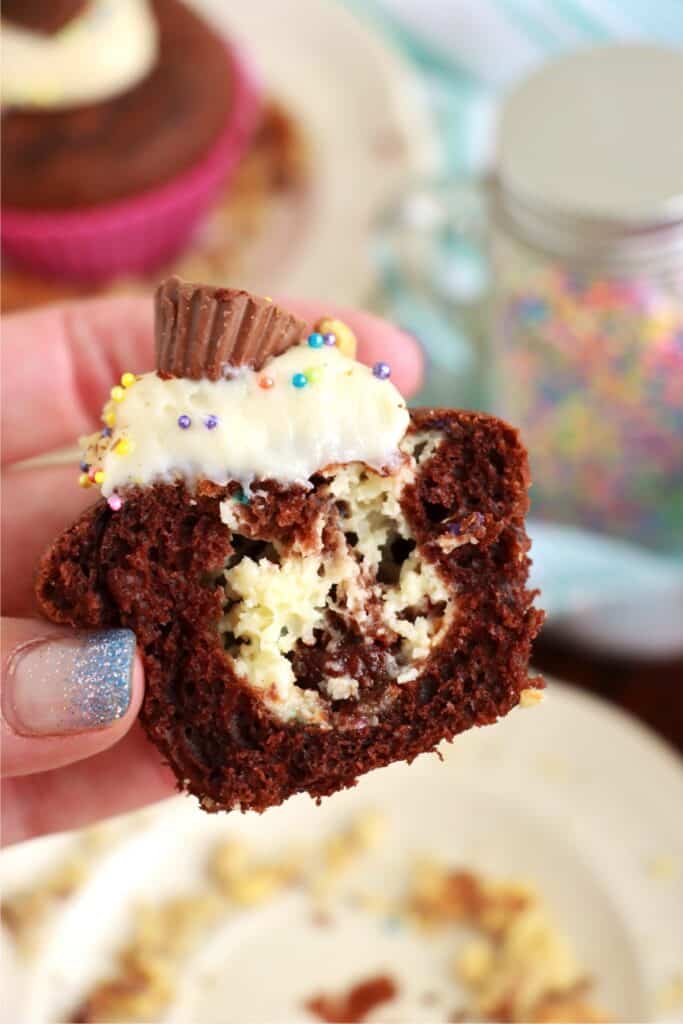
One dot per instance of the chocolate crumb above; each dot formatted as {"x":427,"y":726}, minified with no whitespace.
{"x":354,"y":1006}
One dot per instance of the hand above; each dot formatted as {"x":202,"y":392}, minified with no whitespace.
{"x":71,"y":751}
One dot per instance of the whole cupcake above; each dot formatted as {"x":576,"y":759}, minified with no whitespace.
{"x":122,"y":120}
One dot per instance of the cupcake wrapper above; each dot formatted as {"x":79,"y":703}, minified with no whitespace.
{"x":140,"y":234}
{"x":202,"y":331}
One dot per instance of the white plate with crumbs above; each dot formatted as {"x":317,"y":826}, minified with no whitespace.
{"x":537,"y":871}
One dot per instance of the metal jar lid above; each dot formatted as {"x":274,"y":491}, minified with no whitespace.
{"x":590,"y":154}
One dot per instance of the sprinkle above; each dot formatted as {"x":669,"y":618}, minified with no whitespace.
{"x":128,"y":379}
{"x":299,"y":380}
{"x":267,"y":298}
{"x":315,"y":374}
{"x":123,"y":446}
{"x":382,"y":371}
{"x":99,"y":477}
{"x":240,"y":497}
{"x":266,"y":383}
{"x":211,"y":422}
{"x":530,"y":697}
{"x":330,"y":339}
{"x":315,"y":340}
{"x":84,"y":480}
{"x":109,"y":418}
{"x":84,"y":466}
{"x":114,"y":502}
{"x":91,"y":474}
{"x":184,"y":421}
{"x":117,"y":393}
{"x":105,"y":432}
{"x":345,"y":339}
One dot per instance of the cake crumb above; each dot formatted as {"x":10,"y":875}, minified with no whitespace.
{"x":663,"y":867}
{"x":519,"y":968}
{"x":342,"y":850}
{"x":246,"y":883}
{"x":354,"y":1006}
{"x":670,"y":996}
{"x":27,"y":911}
{"x":144,"y":981}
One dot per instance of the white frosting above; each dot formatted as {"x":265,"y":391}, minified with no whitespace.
{"x":345,"y":414}
{"x":104,"y":51}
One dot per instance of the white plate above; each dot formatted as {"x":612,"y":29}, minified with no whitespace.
{"x":606,"y":593}
{"x":574,"y":795}
{"x":369,"y":133}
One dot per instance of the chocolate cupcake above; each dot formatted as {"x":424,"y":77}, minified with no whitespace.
{"x":320,"y":580}
{"x":121,"y":126}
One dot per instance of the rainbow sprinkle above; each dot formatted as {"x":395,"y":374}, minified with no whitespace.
{"x":314,"y":374}
{"x":596,"y":365}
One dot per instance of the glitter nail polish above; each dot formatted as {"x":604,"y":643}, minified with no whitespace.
{"x":61,"y":684}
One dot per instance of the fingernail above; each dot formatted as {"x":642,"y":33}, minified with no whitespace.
{"x":64,"y":684}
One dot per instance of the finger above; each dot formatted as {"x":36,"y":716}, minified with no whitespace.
{"x":66,"y":694}
{"x":37,"y":505}
{"x":128,"y":775}
{"x":58,"y":366}
{"x":60,"y":362}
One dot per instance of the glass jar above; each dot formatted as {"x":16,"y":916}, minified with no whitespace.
{"x":587,"y":301}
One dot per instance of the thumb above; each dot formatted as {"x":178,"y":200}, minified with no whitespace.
{"x":66,"y":694}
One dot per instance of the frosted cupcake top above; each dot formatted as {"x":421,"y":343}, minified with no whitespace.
{"x":282,"y":416}
{"x":103,"y":51}
{"x":306,"y":409}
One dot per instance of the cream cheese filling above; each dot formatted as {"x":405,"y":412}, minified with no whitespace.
{"x":283,"y":599}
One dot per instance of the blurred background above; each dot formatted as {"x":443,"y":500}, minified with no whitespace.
{"x":504,"y":179}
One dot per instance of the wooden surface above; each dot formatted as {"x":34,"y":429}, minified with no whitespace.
{"x":651,"y":690}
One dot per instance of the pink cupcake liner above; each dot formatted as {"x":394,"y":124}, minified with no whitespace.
{"x":139,"y":234}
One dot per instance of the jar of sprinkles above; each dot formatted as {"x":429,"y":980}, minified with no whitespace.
{"x":587,"y":244}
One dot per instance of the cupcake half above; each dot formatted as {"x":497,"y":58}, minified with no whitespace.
{"x":321,"y":581}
